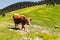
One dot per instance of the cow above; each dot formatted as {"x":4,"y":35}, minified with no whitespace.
{"x":21,"y":19}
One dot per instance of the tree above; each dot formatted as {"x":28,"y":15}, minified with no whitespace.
{"x":50,"y":2}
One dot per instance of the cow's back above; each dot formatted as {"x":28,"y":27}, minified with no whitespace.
{"x":19,"y":18}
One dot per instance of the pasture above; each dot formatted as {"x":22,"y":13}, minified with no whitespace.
{"x":45,"y":24}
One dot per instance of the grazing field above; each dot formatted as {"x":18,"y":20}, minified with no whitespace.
{"x":45,"y":24}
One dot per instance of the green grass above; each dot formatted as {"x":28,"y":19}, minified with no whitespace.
{"x":42,"y":15}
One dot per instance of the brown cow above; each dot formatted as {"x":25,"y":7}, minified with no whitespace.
{"x":21,"y":19}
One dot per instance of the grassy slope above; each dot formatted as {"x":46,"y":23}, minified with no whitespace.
{"x":43,"y":15}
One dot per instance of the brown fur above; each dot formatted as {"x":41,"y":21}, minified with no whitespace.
{"x":21,"y":19}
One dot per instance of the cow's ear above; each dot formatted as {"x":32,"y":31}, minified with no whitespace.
{"x":30,"y":19}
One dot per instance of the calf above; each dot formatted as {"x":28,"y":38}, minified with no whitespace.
{"x":21,"y":19}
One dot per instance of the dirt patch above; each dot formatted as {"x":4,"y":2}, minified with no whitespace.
{"x":29,"y":28}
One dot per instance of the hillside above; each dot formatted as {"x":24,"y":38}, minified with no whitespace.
{"x":19,"y":5}
{"x":45,"y":24}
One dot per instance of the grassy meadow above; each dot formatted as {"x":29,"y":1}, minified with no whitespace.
{"x":45,"y":24}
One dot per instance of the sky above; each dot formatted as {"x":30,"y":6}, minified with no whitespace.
{"x":5,"y":3}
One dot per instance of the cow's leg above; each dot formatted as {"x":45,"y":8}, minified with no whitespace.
{"x":23,"y":27}
{"x":16,"y":25}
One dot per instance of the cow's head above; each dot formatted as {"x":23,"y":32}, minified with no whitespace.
{"x":28,"y":21}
